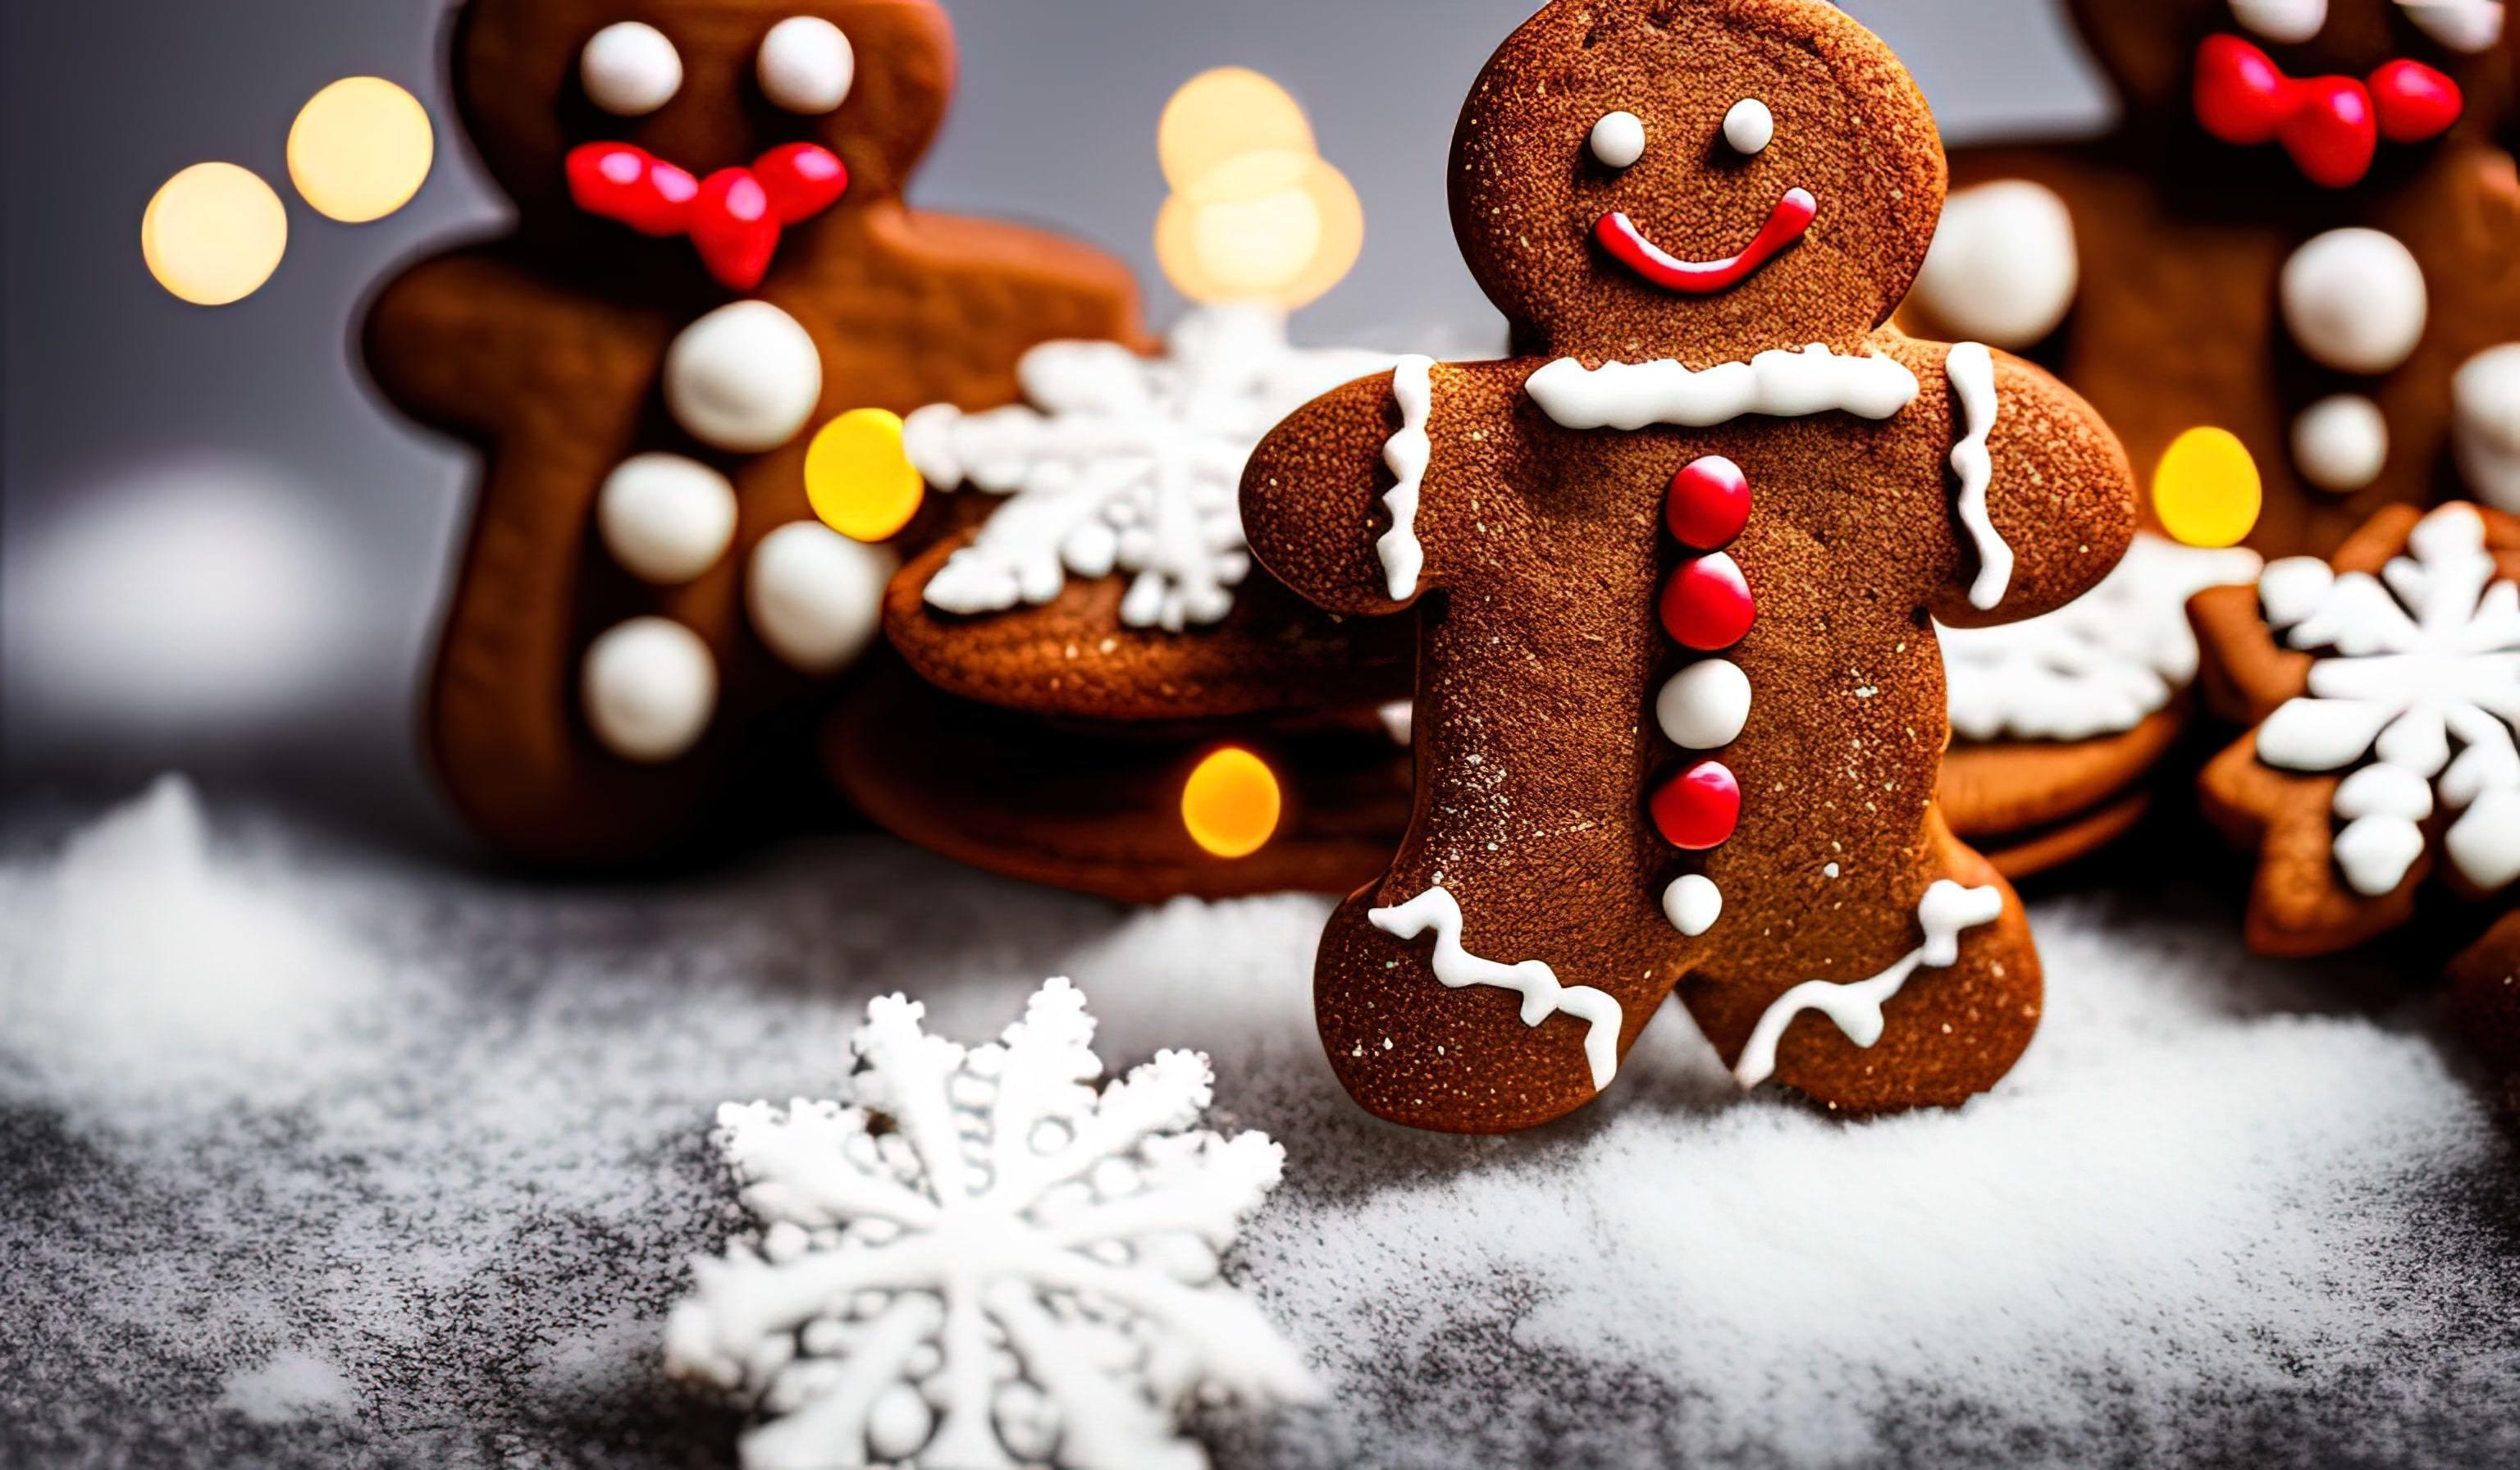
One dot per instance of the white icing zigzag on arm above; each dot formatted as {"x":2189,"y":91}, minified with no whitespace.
{"x":1970,"y":369}
{"x":1946,"y":910}
{"x":1542,"y":995}
{"x":1408,"y":453}
{"x":1775,"y":384}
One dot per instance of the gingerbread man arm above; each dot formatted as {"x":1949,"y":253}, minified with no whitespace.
{"x":2046,"y":501}
{"x":1315,"y":499}
{"x":453,"y":341}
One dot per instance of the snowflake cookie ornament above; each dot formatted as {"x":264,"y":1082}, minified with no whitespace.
{"x":979,"y":1260}
{"x":2385,"y":691}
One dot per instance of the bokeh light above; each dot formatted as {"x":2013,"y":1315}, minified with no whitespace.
{"x":2207,"y":490}
{"x":213,"y":233}
{"x":1220,"y":114}
{"x":859,"y":480}
{"x":360,"y":149}
{"x":1231,"y":803}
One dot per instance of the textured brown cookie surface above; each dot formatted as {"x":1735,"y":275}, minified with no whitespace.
{"x":1536,"y":916}
{"x":2344,"y":669}
{"x":547,"y":349}
{"x":2484,"y":998}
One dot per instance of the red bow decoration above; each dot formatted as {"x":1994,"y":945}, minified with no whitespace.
{"x":733,"y":216}
{"x":2332,"y":125}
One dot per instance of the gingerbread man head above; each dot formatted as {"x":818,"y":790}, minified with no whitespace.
{"x":722,"y":122}
{"x":1679,"y":709}
{"x":1760,"y":178}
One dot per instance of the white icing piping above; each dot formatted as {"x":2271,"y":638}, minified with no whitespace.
{"x":1407,"y":452}
{"x":1542,"y":995}
{"x":1970,"y":369}
{"x":1777,"y":384}
{"x":1946,"y":910}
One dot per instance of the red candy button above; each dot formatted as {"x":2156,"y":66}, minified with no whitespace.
{"x":1709,"y":503}
{"x":802,"y":181}
{"x":1698,"y":808}
{"x":1706,"y":605}
{"x":2415,"y":102}
{"x":2333,"y":135}
{"x":734,"y":229}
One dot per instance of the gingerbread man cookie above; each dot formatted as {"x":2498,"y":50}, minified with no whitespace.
{"x":2384,"y":689}
{"x":711,"y":257}
{"x":2485,"y":1002}
{"x":1085,"y":645}
{"x":1679,"y":705}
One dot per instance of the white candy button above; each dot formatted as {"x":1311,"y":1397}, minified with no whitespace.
{"x":665,"y":518}
{"x":2354,"y":300}
{"x":2286,"y":21}
{"x":1704,"y":706}
{"x":2342,"y":443}
{"x":2484,"y":396}
{"x":1749,"y":128}
{"x":743,"y":378}
{"x":1619,"y":140}
{"x":806,"y":65}
{"x":816,"y":596}
{"x":650,"y":687}
{"x":2004,"y":269}
{"x":630,"y":69}
{"x":1693,"y":904}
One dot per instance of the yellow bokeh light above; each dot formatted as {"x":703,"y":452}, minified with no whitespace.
{"x":1231,"y":803}
{"x":360,"y":149}
{"x":1218,"y":116}
{"x":213,"y":233}
{"x":1287,"y":246}
{"x":2207,"y":490}
{"x":858,"y":478}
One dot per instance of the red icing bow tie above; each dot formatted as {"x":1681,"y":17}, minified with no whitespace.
{"x":2332,"y":125}
{"x":733,"y":216}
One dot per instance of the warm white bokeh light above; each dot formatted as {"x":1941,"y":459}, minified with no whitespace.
{"x":1217,"y":116}
{"x":213,"y":233}
{"x":360,"y":149}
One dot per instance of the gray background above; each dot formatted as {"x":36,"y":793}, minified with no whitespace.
{"x":216,"y":550}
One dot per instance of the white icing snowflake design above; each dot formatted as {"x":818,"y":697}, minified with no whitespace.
{"x":1123,"y":463}
{"x":977,"y":1261}
{"x":2099,"y":666}
{"x":2422,"y":655}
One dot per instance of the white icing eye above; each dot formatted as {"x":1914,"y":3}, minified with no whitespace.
{"x":1749,"y":128}
{"x":2286,"y":21}
{"x":2464,"y":26}
{"x":1619,"y":139}
{"x":630,"y":69}
{"x":807,"y":64}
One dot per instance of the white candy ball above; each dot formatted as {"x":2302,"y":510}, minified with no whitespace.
{"x":2484,"y":395}
{"x":1693,"y":904}
{"x":1619,"y":140}
{"x":1704,"y":706}
{"x":2285,"y":21}
{"x":2341,"y":444}
{"x":806,"y":65}
{"x":2004,"y":269}
{"x":2354,"y":300}
{"x":630,"y":69}
{"x":743,"y":378}
{"x":816,"y":596}
{"x":650,"y":688}
{"x":1749,"y":128}
{"x":665,"y":518}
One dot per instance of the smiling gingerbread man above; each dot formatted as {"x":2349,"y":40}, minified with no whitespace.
{"x":711,"y":259}
{"x":1679,"y":703}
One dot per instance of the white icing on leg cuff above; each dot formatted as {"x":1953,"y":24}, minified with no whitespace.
{"x":1542,"y":995}
{"x":1946,"y":910}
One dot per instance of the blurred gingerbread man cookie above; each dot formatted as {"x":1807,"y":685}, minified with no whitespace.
{"x":2485,"y":1002}
{"x":1679,"y":705}
{"x":2383,"y":685}
{"x":711,"y":259}
{"x":2287,"y":279}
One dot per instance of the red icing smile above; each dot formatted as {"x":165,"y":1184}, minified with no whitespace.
{"x":1785,"y":225}
{"x":733,"y":216}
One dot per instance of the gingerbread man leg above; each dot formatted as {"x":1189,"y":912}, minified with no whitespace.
{"x":1949,"y":1010}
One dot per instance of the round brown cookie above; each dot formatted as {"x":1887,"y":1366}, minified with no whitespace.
{"x":2033,"y":851}
{"x":2485,"y":998}
{"x":1679,"y":709}
{"x":2179,"y":281}
{"x":704,"y":267}
{"x":1096,"y":807}
{"x":2031,"y":805}
{"x":2383,"y":689}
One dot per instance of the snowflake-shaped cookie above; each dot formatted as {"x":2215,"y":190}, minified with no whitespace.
{"x":979,"y":1260}
{"x":1123,"y":463}
{"x":2387,"y":687}
{"x":2101,"y":664}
